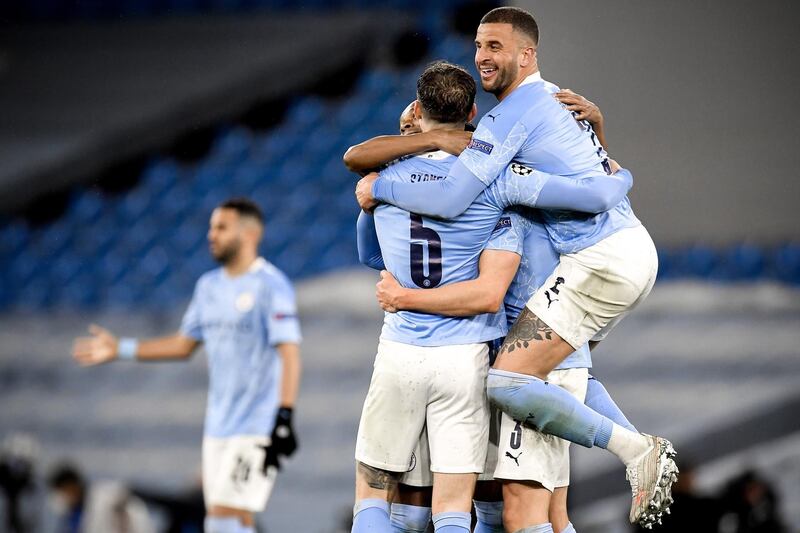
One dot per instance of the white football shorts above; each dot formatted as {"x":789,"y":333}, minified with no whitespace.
{"x":442,"y":388}
{"x":591,"y":290}
{"x":234,"y":474}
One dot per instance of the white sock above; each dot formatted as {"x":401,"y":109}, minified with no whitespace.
{"x":627,"y":445}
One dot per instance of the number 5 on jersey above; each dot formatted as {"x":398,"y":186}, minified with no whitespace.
{"x":425,"y":274}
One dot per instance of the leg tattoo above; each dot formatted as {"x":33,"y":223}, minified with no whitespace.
{"x":526,"y":329}
{"x":379,"y":479}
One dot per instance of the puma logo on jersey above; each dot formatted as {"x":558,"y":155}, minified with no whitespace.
{"x":493,"y":117}
{"x":516,"y":459}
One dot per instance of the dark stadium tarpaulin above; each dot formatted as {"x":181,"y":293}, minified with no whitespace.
{"x":77,"y":97}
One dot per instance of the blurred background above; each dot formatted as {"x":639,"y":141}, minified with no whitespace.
{"x":123,"y":123}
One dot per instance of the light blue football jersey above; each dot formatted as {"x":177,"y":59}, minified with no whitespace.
{"x":423,"y":252}
{"x":531,"y":127}
{"x":522,"y":231}
{"x":240,"y":321}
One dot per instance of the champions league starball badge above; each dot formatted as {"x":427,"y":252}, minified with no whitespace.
{"x":521,"y":170}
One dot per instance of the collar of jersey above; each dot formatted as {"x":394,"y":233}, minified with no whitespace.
{"x":533,"y":78}
{"x":258,"y":264}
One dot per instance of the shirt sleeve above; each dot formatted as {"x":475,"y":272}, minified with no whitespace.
{"x":592,"y":193}
{"x":283,"y":322}
{"x":369,"y":249}
{"x":492,"y":148}
{"x":508,"y":234}
{"x":191,"y":324}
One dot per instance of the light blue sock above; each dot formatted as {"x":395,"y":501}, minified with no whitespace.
{"x":225,"y":524}
{"x":452,"y":522}
{"x":549,"y":408}
{"x":490,"y":517}
{"x":410,"y":518}
{"x":541,"y":528}
{"x":371,"y":516}
{"x":570,"y":528}
{"x":598,"y":399}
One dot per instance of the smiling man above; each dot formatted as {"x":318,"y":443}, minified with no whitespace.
{"x":607,"y":263}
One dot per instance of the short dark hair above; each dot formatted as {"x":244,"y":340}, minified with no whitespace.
{"x":64,"y":475}
{"x":520,"y":20}
{"x":245,"y":207}
{"x":446,"y":92}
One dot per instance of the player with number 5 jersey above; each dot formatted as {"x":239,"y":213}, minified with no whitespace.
{"x":431,"y":370}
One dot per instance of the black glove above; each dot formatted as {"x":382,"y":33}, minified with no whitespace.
{"x":270,"y":459}
{"x":284,"y":441}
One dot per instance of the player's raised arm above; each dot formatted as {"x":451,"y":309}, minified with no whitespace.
{"x":102,"y":347}
{"x":378,"y":151}
{"x":483,"y":294}
{"x":369,"y":249}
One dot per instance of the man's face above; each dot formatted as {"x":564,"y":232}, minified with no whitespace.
{"x":497,"y":51}
{"x":408,"y":121}
{"x":224,"y":235}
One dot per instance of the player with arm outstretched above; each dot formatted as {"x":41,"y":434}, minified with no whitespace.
{"x":245,"y":315}
{"x":607,"y":265}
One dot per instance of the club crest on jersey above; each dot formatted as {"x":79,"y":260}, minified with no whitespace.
{"x":245,"y":302}
{"x":481,"y":146}
{"x":521,"y":170}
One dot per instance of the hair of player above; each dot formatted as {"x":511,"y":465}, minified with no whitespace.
{"x":520,"y":21}
{"x":244,"y":207}
{"x":446,"y":92}
{"x":65,"y":475}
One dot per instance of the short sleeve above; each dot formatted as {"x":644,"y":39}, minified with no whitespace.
{"x":283,"y":322}
{"x":508,"y":234}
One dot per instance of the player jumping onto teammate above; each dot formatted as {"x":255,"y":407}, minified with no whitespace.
{"x":607,"y":265}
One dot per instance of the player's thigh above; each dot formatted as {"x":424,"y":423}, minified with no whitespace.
{"x":235,"y":474}
{"x":458,"y":410}
{"x":532,"y":347}
{"x":591,"y":288}
{"x":527,"y":455}
{"x":394,"y":409}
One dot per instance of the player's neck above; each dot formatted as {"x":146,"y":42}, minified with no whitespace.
{"x":240,"y":264}
{"x":523,"y":74}
{"x":431,"y":126}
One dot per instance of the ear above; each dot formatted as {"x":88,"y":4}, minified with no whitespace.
{"x":473,"y":113}
{"x":527,"y":56}
{"x":417,"y":109}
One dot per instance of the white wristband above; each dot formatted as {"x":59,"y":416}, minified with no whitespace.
{"x":127,"y":348}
